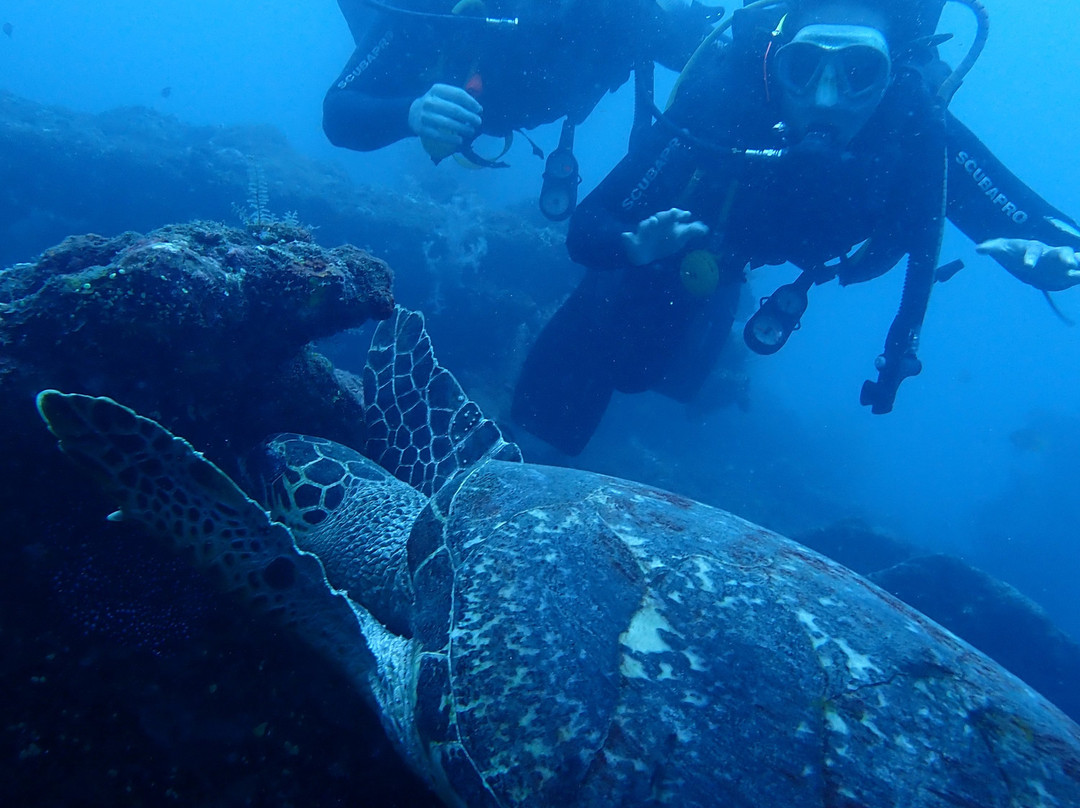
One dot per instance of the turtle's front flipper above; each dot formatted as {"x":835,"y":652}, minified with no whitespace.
{"x":164,"y":484}
{"x":421,"y":426}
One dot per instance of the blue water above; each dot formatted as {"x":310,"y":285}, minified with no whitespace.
{"x":980,"y":455}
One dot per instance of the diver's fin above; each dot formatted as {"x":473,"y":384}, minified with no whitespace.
{"x":164,"y":484}
{"x":421,"y":426}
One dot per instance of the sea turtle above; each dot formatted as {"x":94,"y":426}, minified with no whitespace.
{"x":543,"y":636}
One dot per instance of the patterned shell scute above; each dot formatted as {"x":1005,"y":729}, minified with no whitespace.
{"x":477,"y":598}
{"x":604,"y":637}
{"x":568,"y":586}
{"x":430,"y":568}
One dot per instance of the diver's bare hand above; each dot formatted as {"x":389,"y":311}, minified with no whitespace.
{"x":661,"y":235}
{"x":1051,"y":269}
{"x":446,"y":114}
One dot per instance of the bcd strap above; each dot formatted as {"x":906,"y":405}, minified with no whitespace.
{"x":644,"y":101}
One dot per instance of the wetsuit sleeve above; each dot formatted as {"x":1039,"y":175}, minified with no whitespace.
{"x":987,"y":201}
{"x":359,"y":15}
{"x":649,"y":179}
{"x":367,"y":107}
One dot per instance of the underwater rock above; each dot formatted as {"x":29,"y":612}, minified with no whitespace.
{"x":857,"y":545}
{"x":201,"y":323}
{"x":994,"y":617}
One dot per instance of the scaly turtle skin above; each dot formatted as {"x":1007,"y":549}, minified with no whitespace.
{"x":538,"y":636}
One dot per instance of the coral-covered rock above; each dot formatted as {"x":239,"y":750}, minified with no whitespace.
{"x":202,"y":323}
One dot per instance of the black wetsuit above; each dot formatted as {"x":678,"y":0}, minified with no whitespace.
{"x":559,"y":61}
{"x":639,"y":328}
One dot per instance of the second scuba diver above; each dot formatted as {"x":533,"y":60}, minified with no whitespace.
{"x":447,"y":73}
{"x":817,"y":127}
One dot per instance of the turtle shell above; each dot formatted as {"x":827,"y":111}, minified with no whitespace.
{"x":592,"y":641}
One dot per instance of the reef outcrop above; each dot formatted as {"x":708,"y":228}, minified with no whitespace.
{"x":205,"y":324}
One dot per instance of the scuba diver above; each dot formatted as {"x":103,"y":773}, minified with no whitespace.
{"x":815,"y":132}
{"x":447,"y":73}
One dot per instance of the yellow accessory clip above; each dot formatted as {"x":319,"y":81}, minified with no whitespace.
{"x":700,"y":273}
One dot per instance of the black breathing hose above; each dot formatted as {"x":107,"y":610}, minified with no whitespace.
{"x":434,"y":16}
{"x":899,"y":360}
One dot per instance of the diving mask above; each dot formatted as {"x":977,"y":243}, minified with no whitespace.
{"x":832,"y":77}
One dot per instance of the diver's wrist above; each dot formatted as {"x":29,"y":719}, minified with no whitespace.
{"x":634,"y":251}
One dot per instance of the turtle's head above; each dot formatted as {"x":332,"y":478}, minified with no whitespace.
{"x":346,"y":509}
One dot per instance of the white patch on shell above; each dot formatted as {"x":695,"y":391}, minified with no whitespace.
{"x":1045,"y":798}
{"x":835,"y":722}
{"x":695,"y":699}
{"x":642,"y":636}
{"x":735,"y":600}
{"x":859,"y":665}
{"x":540,"y":526}
{"x":695,"y":660}
{"x":870,"y":725}
{"x":903,"y":742}
{"x":530,"y":715}
{"x":632,"y":668}
{"x":704,"y":572}
{"x":643,"y":633}
{"x":817,"y":637}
